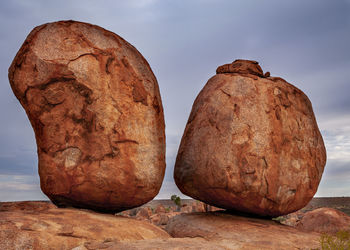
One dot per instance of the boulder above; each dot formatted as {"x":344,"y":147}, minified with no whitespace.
{"x":325,"y":220}
{"x":160,"y":219}
{"x":291,"y":219}
{"x":40,"y":225}
{"x":186,"y":209}
{"x":198,"y":206}
{"x":96,"y":111}
{"x":237,"y":232}
{"x":160,"y":209}
{"x":144,"y":213}
{"x":251,"y":144}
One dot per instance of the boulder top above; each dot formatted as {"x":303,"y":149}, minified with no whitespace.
{"x":242,"y":66}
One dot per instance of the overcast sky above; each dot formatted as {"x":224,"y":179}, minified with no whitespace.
{"x":305,"y":42}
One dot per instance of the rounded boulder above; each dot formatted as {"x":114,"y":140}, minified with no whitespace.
{"x":251,"y":144}
{"x":96,"y":110}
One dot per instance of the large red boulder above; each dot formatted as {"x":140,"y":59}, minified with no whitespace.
{"x":251,"y":143}
{"x":95,"y":107}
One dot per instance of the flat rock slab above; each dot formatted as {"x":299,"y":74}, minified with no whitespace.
{"x":40,"y":225}
{"x":156,"y":244}
{"x":237,"y":232}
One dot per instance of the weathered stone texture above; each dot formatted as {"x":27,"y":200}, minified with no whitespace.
{"x":251,"y":144}
{"x":325,"y":220}
{"x":95,"y":107}
{"x":40,"y":225}
{"x":238,"y":232}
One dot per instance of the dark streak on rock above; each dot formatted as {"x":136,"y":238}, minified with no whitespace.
{"x":139,"y":93}
{"x":225,"y":93}
{"x":125,"y":141}
{"x":108,"y":63}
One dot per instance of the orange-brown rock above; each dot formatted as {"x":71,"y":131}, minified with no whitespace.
{"x":186,"y":209}
{"x":144,"y":213}
{"x":40,"y":225}
{"x":160,"y":209}
{"x":237,"y":232}
{"x":325,"y":220}
{"x":158,"y":244}
{"x":251,"y":144}
{"x":95,"y":107}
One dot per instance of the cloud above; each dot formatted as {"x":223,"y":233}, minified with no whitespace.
{"x":168,"y":189}
{"x":304,"y":42}
{"x":20,"y":187}
{"x":336,"y":135}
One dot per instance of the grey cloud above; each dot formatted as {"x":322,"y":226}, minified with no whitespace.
{"x":19,"y":187}
{"x":19,"y":165}
{"x":169,"y":188}
{"x":337,"y":170}
{"x":304,"y":42}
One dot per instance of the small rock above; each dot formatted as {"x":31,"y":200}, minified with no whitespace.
{"x":144,"y":213}
{"x":325,"y":220}
{"x":186,"y":209}
{"x":160,"y":209}
{"x":155,"y":219}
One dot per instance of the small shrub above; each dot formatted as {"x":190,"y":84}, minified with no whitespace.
{"x":340,"y":241}
{"x":177,"y":200}
{"x":279,"y":219}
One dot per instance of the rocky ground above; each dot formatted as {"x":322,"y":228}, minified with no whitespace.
{"x":339,"y":203}
{"x":161,"y":224}
{"x":159,"y":212}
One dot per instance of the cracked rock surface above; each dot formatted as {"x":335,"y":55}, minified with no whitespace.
{"x":41,"y":225}
{"x":232,"y":231}
{"x":95,"y":107}
{"x":251,"y":144}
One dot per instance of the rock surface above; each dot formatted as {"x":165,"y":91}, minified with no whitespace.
{"x":95,"y":107}
{"x":144,"y":213}
{"x":251,"y":144}
{"x":236,"y":232}
{"x":324,"y":220}
{"x":173,"y":244}
{"x":40,"y":225}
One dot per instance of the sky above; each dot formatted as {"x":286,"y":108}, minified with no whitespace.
{"x":305,"y":42}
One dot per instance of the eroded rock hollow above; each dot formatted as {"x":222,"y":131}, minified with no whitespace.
{"x":251,"y":144}
{"x":95,"y":107}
